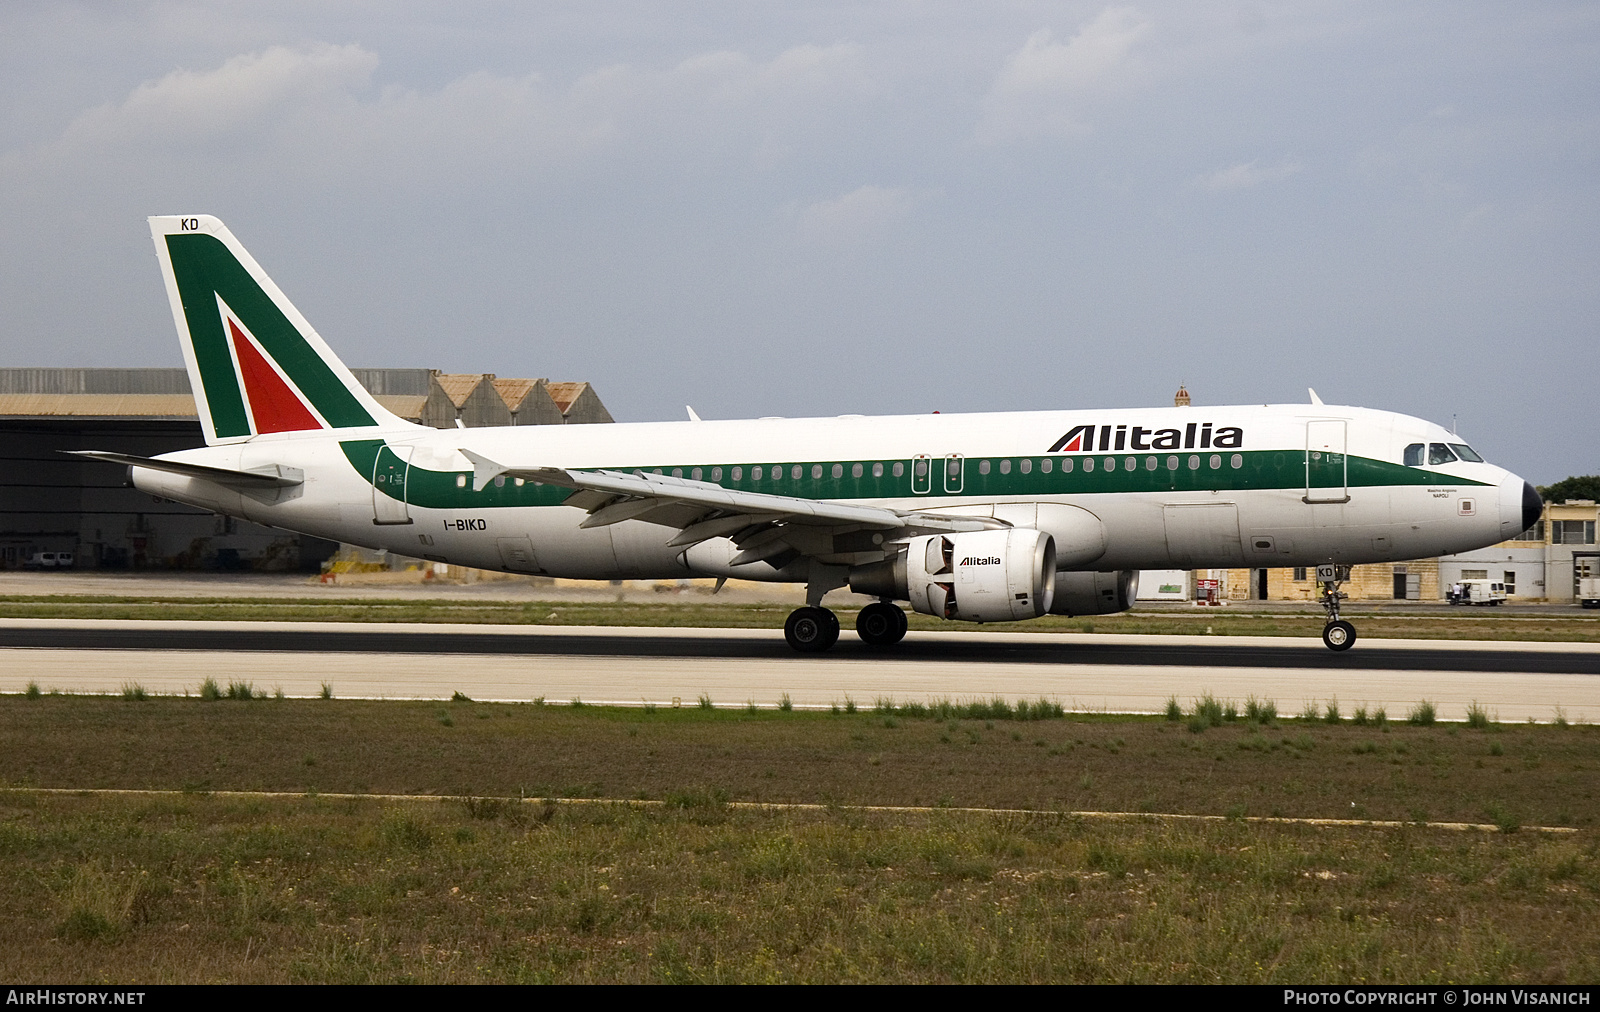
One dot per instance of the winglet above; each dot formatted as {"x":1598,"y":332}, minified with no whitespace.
{"x":484,"y":470}
{"x":1314,"y":398}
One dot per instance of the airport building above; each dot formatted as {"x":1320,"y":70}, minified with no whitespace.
{"x":1543,"y":563}
{"x":53,"y":503}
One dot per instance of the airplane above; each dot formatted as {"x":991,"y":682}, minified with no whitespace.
{"x":993,"y":517}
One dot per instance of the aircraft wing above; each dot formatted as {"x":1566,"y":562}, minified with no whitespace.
{"x":759,"y":522}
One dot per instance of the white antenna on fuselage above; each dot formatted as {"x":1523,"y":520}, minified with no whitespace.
{"x":1314,"y":398}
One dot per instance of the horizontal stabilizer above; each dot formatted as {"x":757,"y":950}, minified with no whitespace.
{"x":271,"y":476}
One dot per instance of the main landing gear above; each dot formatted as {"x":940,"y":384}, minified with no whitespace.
{"x":881,"y":624}
{"x":813,"y":629}
{"x":1337,"y":634}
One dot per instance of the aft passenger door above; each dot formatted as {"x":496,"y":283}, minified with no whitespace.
{"x":1327,"y":466}
{"x":389,"y":473}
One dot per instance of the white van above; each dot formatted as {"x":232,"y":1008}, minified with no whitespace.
{"x":1589,"y":591}
{"x":49,"y":560}
{"x":1490,"y":592}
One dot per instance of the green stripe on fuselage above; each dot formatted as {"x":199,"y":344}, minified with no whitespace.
{"x":1259,"y":469}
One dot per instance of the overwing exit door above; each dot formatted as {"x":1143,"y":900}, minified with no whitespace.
{"x":389,"y":473}
{"x":1327,"y":466}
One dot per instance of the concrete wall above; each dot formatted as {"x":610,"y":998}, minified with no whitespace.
{"x":94,"y":381}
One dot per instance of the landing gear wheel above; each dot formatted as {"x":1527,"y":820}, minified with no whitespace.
{"x":881,"y":624}
{"x":811,"y":630}
{"x":1338,"y":635}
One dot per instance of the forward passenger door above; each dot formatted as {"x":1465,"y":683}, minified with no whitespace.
{"x":1327,"y":465}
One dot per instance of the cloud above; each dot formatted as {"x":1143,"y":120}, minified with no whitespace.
{"x":1246,"y":175}
{"x":864,"y":212}
{"x":310,"y":111}
{"x":1042,"y":88}
{"x":244,"y":90}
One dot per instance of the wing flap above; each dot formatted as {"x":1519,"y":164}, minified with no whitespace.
{"x":702,"y":510}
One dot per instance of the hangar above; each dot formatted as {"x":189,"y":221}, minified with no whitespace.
{"x":50,"y":502}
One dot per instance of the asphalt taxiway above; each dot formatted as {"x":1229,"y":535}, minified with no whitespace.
{"x":1516,"y":680}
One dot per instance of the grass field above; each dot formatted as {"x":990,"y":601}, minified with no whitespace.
{"x":1453,"y":624}
{"x":193,"y":886}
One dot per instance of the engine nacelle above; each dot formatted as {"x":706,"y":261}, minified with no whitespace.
{"x":1095,"y":593}
{"x":982,"y":576}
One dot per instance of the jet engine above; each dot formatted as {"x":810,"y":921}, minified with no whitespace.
{"x":1094,"y":593}
{"x":981,"y":576}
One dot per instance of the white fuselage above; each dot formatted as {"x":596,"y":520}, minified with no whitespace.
{"x":1253,"y":497}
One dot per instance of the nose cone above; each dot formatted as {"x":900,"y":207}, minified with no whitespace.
{"x":1532,"y":506}
{"x":1520,"y":506}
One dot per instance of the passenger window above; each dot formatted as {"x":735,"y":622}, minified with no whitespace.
{"x":877,"y":469}
{"x":796,"y":471}
{"x":838,"y":470}
{"x":1111,"y":463}
{"x":983,"y":467}
{"x":1088,"y":463}
{"x":1172,"y":463}
{"x":899,"y":469}
{"x":1026,"y":464}
{"x":1149,"y":463}
{"x":855,"y":470}
{"x":1413,"y":455}
{"x":1466,"y":452}
{"x":1216,"y":461}
{"x":1005,"y":467}
{"x":716,"y":474}
{"x":677,"y":472}
{"x":695,"y":474}
{"x":755,"y":473}
{"x":1236,"y":461}
{"x":921,"y":467}
{"x":738,"y":473}
{"x":1438,"y":453}
{"x":1194,"y":463}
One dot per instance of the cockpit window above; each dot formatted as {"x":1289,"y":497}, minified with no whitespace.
{"x":1438,"y":453}
{"x":1413,"y":456}
{"x":1466,"y":452}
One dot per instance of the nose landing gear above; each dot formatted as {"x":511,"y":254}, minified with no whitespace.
{"x":1337,"y":634}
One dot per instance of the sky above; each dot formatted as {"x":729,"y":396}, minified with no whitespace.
{"x":815,"y":209}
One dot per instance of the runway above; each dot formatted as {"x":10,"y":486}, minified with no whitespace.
{"x":1519,"y":680}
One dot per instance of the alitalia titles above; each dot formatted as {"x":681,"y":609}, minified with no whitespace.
{"x":973,"y":560}
{"x":1102,"y":438}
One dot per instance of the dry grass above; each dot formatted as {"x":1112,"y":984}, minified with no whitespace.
{"x":309,"y":890}
{"x":195,"y":887}
{"x":1540,"y":774}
